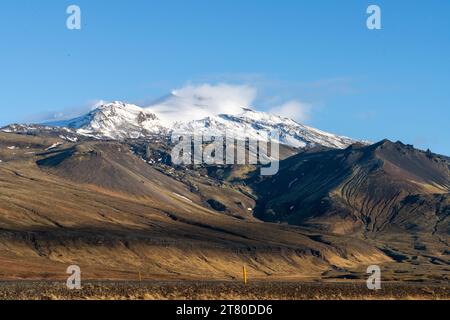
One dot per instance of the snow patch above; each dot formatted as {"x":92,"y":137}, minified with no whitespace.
{"x":182,"y":197}
{"x":53,"y":146}
{"x":70,"y":139}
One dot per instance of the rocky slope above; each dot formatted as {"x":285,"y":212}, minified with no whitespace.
{"x":360,"y":187}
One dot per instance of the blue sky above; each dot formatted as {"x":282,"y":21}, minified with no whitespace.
{"x":391,"y":83}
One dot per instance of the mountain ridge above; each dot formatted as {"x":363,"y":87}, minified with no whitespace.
{"x":361,"y":186}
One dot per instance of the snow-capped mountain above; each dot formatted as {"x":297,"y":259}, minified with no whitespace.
{"x":259,"y":125}
{"x":119,"y":120}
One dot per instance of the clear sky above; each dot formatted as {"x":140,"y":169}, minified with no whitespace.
{"x":391,"y":83}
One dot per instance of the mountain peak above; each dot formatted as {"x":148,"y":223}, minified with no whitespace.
{"x":115,"y":120}
{"x":118,"y":104}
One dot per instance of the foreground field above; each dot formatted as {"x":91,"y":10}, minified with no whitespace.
{"x":221,"y":291}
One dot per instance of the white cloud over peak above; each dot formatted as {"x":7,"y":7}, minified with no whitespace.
{"x":293,"y":109}
{"x":98,"y":103}
{"x":195,"y":102}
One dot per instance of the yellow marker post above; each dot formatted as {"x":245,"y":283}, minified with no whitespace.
{"x":140,"y":277}
{"x":244,"y":273}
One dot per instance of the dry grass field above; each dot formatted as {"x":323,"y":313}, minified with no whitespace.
{"x":223,"y":291}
